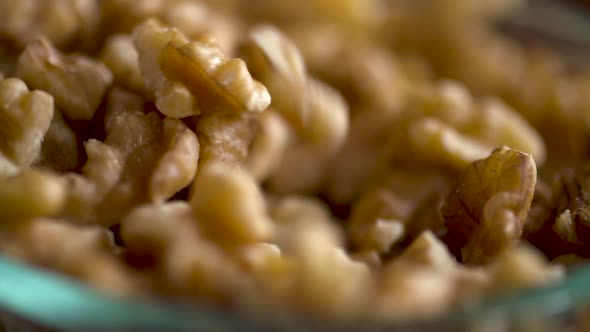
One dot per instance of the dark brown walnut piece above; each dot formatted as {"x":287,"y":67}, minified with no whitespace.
{"x":486,"y":212}
{"x":571,"y":196}
{"x":59,"y":149}
{"x":564,"y":226}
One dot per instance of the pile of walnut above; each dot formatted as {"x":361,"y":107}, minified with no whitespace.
{"x":346,"y":158}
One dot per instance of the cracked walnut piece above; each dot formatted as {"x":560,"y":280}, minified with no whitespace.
{"x":278,"y":64}
{"x":25,"y":117}
{"x":187,"y":78}
{"x":229,"y":205}
{"x":485,"y":213}
{"x":30,"y":194}
{"x":77,"y":83}
{"x":62,"y":21}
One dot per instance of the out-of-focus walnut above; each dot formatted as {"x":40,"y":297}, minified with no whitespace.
{"x":425,"y":279}
{"x":522,"y":267}
{"x":8,"y":61}
{"x":7,"y":167}
{"x":415,"y":292}
{"x":195,"y":266}
{"x":59,"y":150}
{"x":564,"y":227}
{"x":25,"y":117}
{"x":255,"y":255}
{"x":499,"y":123}
{"x":30,"y":194}
{"x":225,"y":137}
{"x":368,"y":75}
{"x":268,"y":147}
{"x":196,"y":20}
{"x":305,"y":167}
{"x":120,"y":55}
{"x":193,"y":18}
{"x":418,"y":282}
{"x":540,"y":209}
{"x":187,"y":263}
{"x":364,"y":158}
{"x":328,"y":122}
{"x":45,"y":238}
{"x":369,"y":257}
{"x":319,"y":261}
{"x":353,"y":16}
{"x":401,"y":195}
{"x":563,"y":218}
{"x":571,"y":199}
{"x":218,"y":186}
{"x":437,"y":142}
{"x":151,"y":229}
{"x":374,"y":223}
{"x":427,"y":216}
{"x":84,"y":252}
{"x":412,"y":186}
{"x":294,"y":209}
{"x":302,"y":170}
{"x":278,"y":64}
{"x":445,"y":126}
{"x":486,"y":212}
{"x":61,"y":21}
{"x":77,"y":82}
{"x":463,"y":13}
{"x":82,"y":196}
{"x":427,"y":250}
{"x":316,"y":111}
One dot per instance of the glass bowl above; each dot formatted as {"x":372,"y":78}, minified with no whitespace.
{"x":36,"y":300}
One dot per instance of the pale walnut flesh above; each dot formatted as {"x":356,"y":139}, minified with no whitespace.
{"x":486,"y":211}
{"x":218,"y":82}
{"x":30,"y":194}
{"x":25,"y":117}
{"x":218,"y":186}
{"x":172,"y":66}
{"x":77,"y":82}
{"x":277,"y":62}
{"x":178,"y":164}
{"x":225,"y":136}
{"x":120,"y":55}
{"x":59,"y":150}
{"x":62,"y":21}
{"x":268,"y":147}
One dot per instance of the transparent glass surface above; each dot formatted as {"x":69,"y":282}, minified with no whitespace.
{"x":55,"y":302}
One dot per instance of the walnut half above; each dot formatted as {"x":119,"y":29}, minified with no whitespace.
{"x":77,"y":82}
{"x":25,"y":117}
{"x":486,"y":211}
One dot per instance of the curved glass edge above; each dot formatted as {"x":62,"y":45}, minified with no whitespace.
{"x":57,"y":302}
